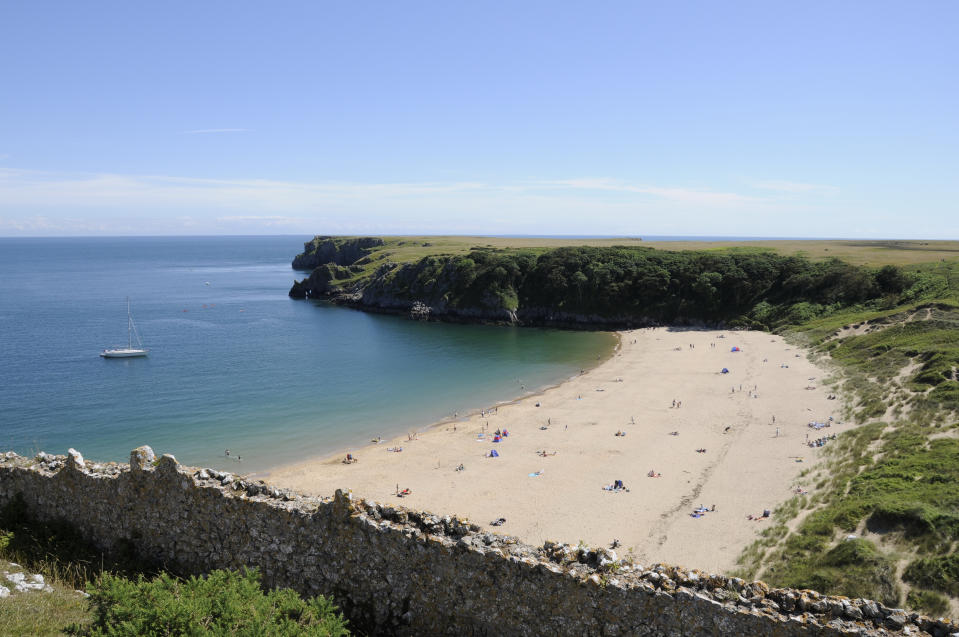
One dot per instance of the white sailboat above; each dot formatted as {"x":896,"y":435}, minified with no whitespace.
{"x":129,"y":351}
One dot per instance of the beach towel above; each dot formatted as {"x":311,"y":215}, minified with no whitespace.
{"x":535,"y":474}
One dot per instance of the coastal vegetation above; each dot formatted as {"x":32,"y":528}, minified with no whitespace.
{"x":601,"y":286}
{"x":881,"y":519}
{"x":128,"y":595}
{"x":889,"y":488}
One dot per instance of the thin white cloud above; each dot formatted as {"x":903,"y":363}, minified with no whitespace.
{"x":207,"y":131}
{"x":267,"y":220}
{"x":58,"y":203}
{"x":699,"y":196}
{"x":794,"y":187}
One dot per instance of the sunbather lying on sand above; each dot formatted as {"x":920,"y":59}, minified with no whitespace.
{"x":616,"y":486}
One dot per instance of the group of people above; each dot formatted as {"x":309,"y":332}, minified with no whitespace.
{"x":700,"y":511}
{"x":819,"y":442}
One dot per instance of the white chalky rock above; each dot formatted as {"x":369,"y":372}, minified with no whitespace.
{"x":4,"y":592}
{"x":75,"y":460}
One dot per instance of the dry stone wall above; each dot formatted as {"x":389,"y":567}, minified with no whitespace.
{"x":396,"y":571}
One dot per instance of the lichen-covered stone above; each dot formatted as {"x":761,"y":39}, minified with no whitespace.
{"x":141,"y":458}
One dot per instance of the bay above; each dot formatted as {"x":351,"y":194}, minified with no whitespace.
{"x":234,"y":362}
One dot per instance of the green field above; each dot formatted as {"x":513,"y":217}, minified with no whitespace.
{"x":403,"y":249}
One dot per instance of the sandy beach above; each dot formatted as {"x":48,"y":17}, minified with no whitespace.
{"x":752,"y":423}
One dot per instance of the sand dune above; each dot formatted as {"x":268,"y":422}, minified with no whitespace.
{"x":745,"y":468}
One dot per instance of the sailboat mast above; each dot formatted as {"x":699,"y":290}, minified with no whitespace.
{"x":129,"y":326}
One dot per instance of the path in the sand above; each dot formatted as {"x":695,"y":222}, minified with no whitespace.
{"x":744,"y":470}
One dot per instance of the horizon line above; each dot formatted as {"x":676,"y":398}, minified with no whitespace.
{"x":651,"y":237}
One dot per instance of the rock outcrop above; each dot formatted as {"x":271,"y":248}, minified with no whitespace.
{"x":335,"y":250}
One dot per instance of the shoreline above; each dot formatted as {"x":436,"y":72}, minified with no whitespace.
{"x":749,"y":462}
{"x":339,"y":454}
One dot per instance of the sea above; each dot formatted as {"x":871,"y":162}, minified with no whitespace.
{"x":234,"y":363}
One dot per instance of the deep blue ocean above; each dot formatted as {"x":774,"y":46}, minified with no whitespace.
{"x":234,"y":363}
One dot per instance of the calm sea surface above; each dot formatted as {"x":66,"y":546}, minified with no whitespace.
{"x":234,"y":363}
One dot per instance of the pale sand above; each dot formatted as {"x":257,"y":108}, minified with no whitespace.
{"x":742,"y":472}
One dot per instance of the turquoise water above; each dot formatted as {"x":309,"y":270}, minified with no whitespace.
{"x":234,"y":362}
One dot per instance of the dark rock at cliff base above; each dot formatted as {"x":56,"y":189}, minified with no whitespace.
{"x":321,"y":281}
{"x":334,"y":250}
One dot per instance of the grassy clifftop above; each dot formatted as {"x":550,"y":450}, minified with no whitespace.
{"x":589,"y":285}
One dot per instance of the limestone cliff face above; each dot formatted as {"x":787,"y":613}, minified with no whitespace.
{"x":334,"y":250}
{"x":322,"y":281}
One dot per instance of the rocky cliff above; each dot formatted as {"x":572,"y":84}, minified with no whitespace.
{"x":334,"y":250}
{"x":618,"y":286}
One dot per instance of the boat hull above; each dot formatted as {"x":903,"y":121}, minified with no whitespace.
{"x":123,"y":353}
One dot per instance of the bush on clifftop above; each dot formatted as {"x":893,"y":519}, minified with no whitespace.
{"x":222,"y":603}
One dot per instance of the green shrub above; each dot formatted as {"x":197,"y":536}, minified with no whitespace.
{"x":222,"y":603}
{"x":939,"y":573}
{"x":928,"y":602}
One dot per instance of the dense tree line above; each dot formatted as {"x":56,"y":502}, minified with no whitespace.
{"x":639,"y":284}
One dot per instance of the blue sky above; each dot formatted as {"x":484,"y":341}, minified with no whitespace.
{"x":812,"y":119}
